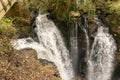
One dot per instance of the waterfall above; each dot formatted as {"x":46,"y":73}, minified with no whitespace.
{"x":79,"y":47}
{"x":50,"y":46}
{"x":74,"y":44}
{"x":100,"y":61}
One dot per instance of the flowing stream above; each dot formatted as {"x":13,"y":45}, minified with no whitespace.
{"x":100,"y":61}
{"x":50,"y":47}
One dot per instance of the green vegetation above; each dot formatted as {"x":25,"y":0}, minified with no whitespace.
{"x":115,"y":7}
{"x":7,"y":32}
{"x":63,"y":8}
{"x":7,"y":28}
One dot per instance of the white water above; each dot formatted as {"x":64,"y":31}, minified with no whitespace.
{"x":100,"y":62}
{"x":50,"y":46}
{"x":74,"y":44}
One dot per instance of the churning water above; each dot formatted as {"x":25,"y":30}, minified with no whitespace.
{"x":100,"y":62}
{"x":50,"y":46}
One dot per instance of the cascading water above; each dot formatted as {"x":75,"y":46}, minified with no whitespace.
{"x":50,"y":47}
{"x":79,"y":47}
{"x":74,"y":44}
{"x":100,"y":62}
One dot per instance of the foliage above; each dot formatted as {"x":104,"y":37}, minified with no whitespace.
{"x":6,"y":28}
{"x":86,"y":6}
{"x":115,"y":7}
{"x":62,"y":8}
{"x":7,"y":32}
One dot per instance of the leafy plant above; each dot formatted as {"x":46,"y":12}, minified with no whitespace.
{"x":6,"y":27}
{"x":62,"y":8}
{"x":115,"y":7}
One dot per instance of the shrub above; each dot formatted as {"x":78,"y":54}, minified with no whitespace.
{"x":7,"y":28}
